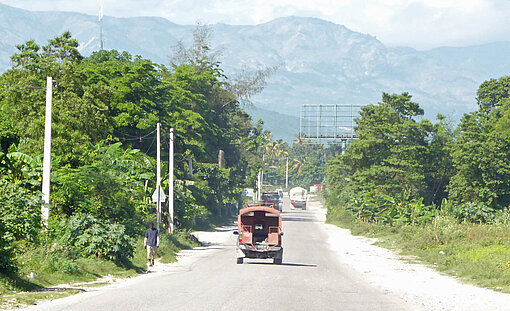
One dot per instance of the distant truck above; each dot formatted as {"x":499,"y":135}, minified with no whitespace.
{"x":298,"y":197}
{"x":272,"y":197}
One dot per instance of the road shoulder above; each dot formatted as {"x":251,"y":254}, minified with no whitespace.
{"x":412,"y":281}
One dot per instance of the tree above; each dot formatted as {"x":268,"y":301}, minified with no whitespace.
{"x":480,"y":152}
{"x":392,"y":151}
{"x":491,"y":93}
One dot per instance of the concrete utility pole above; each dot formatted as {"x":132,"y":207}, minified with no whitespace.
{"x":171,"y":183}
{"x":101,"y":27}
{"x":190,"y":166}
{"x":259,"y":185}
{"x":158,"y":174}
{"x":287,"y":174}
{"x":45,"y":209}
{"x":221,"y":158}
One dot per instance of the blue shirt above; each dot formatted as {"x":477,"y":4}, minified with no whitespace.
{"x":152,"y":237}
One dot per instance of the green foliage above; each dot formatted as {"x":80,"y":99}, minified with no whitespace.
{"x":20,"y":219}
{"x":480,"y":152}
{"x":391,"y":153}
{"x":7,"y":264}
{"x":474,"y":212}
{"x":110,"y":187}
{"x":398,"y":169}
{"x":491,"y":93}
{"x":468,"y":234}
{"x":188,"y":209}
{"x":20,"y":212}
{"x":91,"y":236}
{"x":105,"y":110}
{"x":383,"y":209}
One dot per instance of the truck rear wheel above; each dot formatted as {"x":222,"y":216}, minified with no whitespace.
{"x":239,"y":260}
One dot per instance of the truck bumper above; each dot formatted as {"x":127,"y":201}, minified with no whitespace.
{"x":247,"y":252}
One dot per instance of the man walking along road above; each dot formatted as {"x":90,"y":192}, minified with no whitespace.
{"x":151,"y":241}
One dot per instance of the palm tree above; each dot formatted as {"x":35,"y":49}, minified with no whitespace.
{"x":297,"y":165}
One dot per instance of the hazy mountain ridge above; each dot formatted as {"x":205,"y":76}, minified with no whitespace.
{"x":319,"y":62}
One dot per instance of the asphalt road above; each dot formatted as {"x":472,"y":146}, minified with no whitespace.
{"x":310,"y":278}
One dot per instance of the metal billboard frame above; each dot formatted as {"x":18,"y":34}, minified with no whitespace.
{"x":327,"y":123}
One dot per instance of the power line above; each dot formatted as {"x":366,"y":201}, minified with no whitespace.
{"x":134,"y":137}
{"x":152,"y":143}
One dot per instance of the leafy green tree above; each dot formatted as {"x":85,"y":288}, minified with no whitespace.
{"x":388,"y":156}
{"x":109,"y":187}
{"x":491,"y":93}
{"x":480,"y":153}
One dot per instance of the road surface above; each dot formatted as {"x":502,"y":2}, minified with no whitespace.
{"x":310,"y":278}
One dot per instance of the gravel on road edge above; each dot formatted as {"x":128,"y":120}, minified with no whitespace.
{"x":413,"y":282}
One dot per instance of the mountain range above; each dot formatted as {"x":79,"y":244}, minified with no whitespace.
{"x":318,"y":62}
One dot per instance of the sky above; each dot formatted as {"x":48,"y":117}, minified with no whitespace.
{"x":421,"y":24}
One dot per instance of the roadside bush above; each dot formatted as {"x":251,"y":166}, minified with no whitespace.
{"x":20,"y":212}
{"x":91,"y":236}
{"x":474,"y":212}
{"x":6,"y":252}
{"x":503,"y":216}
{"x":20,"y":219}
{"x":384,"y":209}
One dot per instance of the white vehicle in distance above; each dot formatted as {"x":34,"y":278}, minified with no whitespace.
{"x":298,"y":197}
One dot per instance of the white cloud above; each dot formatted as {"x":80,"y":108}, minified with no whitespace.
{"x":417,"y":23}
{"x":464,"y":5}
{"x":379,"y":14}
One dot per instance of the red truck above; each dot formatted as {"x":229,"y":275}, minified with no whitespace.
{"x":259,"y":233}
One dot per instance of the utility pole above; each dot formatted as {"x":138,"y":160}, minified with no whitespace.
{"x":259,"y":185}
{"x":101,"y":27}
{"x":221,"y":159}
{"x":261,"y":178}
{"x":171,"y":183}
{"x":261,"y":181}
{"x":287,"y":174}
{"x":45,"y":209}
{"x":190,"y":165}
{"x":158,"y":174}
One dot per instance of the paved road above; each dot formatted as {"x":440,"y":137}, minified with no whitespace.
{"x":310,"y":278}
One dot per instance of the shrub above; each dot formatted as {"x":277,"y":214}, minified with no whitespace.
{"x":503,"y":216}
{"x":474,"y":212}
{"x":20,"y":219}
{"x":6,"y":254}
{"x":101,"y":238}
{"x":20,"y":211}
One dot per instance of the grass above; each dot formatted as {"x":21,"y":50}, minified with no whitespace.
{"x":20,"y":300}
{"x":476,"y":253}
{"x":51,"y":268}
